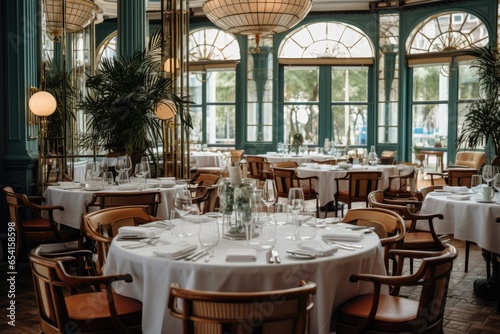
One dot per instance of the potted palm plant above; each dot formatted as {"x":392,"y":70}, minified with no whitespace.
{"x":121,"y":101}
{"x":482,"y":121}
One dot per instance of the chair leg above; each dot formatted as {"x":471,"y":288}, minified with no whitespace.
{"x":467,"y":249}
{"x":336,"y":208}
{"x":487,"y":258}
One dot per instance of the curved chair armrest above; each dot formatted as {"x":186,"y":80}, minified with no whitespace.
{"x":35,"y":206}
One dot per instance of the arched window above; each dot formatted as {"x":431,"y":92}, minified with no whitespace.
{"x":442,"y":83}
{"x":340,"y":56}
{"x":107,"y":48}
{"x":213,"y":57}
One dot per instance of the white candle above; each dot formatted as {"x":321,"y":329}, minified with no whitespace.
{"x":235,"y":175}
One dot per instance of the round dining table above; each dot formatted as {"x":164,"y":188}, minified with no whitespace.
{"x":152,"y":275}
{"x":207,"y":159}
{"x":299,"y":159}
{"x":72,"y":198}
{"x":326,"y":186}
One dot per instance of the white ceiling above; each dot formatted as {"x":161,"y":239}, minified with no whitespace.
{"x":108,"y":7}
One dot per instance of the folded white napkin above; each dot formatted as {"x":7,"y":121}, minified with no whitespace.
{"x":456,"y":189}
{"x":175,"y":250}
{"x":165,"y":183}
{"x":318,"y":248}
{"x":147,"y":232}
{"x":459,"y":197}
{"x":241,"y":255}
{"x":344,"y":235}
{"x":129,"y":186}
{"x":197,"y":218}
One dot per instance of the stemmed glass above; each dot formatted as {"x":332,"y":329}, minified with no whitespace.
{"x":183,"y":206}
{"x":105,"y":164}
{"x":127,"y":164}
{"x":96,"y":171}
{"x":209,"y":234}
{"x":475,"y":183}
{"x":269,"y":194}
{"x":496,"y":185}
{"x":141,"y":170}
{"x":489,"y":173}
{"x":122,"y":172}
{"x":296,"y":205}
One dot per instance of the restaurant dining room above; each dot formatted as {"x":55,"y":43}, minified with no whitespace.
{"x":250,"y":166}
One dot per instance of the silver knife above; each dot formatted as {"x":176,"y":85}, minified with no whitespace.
{"x":191,"y":256}
{"x":270,"y":257}
{"x":276,"y":256}
{"x":198,"y":256}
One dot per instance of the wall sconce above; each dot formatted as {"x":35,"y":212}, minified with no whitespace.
{"x":171,"y":65}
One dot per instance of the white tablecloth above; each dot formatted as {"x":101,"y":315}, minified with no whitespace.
{"x":299,"y":159}
{"x":326,"y":174}
{"x":467,"y":220}
{"x":73,"y":202}
{"x":207,"y":159}
{"x":152,"y":276}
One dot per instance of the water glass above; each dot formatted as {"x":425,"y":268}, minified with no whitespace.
{"x":107,"y":179}
{"x":306,"y":225}
{"x":209,"y":234}
{"x":476,"y":183}
{"x":296,"y":205}
{"x":267,"y":233}
{"x":281,"y":213}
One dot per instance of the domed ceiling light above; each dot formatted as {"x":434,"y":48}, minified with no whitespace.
{"x":256,"y":17}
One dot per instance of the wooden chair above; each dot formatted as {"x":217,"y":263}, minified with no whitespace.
{"x":284,"y":164}
{"x":325,"y":162}
{"x":415,"y":239}
{"x":389,"y":226}
{"x":358,"y":185}
{"x":379,"y":313}
{"x":287,"y":178}
{"x":460,"y":177}
{"x":206,"y":198}
{"x":205,"y":179}
{"x":77,"y":304}
{"x":25,"y":213}
{"x":402,"y":185}
{"x":387,"y":157}
{"x":102,"y":226}
{"x":258,"y":168}
{"x":103,"y":200}
{"x":243,"y":312}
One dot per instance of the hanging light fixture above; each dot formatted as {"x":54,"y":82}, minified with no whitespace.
{"x":256,"y":17}
{"x":79,"y":14}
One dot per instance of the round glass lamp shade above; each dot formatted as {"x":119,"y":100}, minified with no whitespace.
{"x":42,"y":104}
{"x":255,"y":17}
{"x":165,"y":110}
{"x":79,"y":14}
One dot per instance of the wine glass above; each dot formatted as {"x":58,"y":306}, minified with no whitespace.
{"x":209,"y":234}
{"x":145,"y":160}
{"x":296,"y":205}
{"x":269,"y":194}
{"x":105,"y":164}
{"x":183,"y":206}
{"x":267,"y":233}
{"x":475,"y":183}
{"x":96,"y":171}
{"x":127,"y":164}
{"x":496,"y":185}
{"x":122,"y":172}
{"x":489,"y":173}
{"x":141,"y":170}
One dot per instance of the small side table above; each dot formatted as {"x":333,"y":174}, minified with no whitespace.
{"x":439,"y":157}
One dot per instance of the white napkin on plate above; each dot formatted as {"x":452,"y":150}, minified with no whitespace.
{"x":456,"y":189}
{"x":318,"y":248}
{"x":147,"y":232}
{"x":459,"y":197}
{"x":344,"y":235}
{"x":241,"y":255}
{"x":175,"y":250}
{"x":197,"y":218}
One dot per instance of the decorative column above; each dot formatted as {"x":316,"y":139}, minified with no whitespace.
{"x":20,"y":72}
{"x":131,"y":27}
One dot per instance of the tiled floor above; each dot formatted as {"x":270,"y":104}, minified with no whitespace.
{"x":465,"y":312}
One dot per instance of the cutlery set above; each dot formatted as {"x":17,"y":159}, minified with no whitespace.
{"x":273,"y":256}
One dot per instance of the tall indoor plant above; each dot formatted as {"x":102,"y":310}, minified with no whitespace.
{"x":122,"y":98}
{"x":482,"y":121}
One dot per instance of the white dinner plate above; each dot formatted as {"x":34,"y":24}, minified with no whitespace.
{"x":483,"y":201}
{"x":93,"y":188}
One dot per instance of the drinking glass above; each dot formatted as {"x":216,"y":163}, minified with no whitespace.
{"x":122,"y":170}
{"x":105,"y":164}
{"x":209,"y":234}
{"x":306,"y":222}
{"x":107,"y":178}
{"x":96,"y":172}
{"x":296,"y":205}
{"x":269,"y":194}
{"x":475,"y":183}
{"x":145,"y":160}
{"x":267,"y":233}
{"x":496,"y":185}
{"x":141,"y":169}
{"x":489,"y":173}
{"x":183,"y":206}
